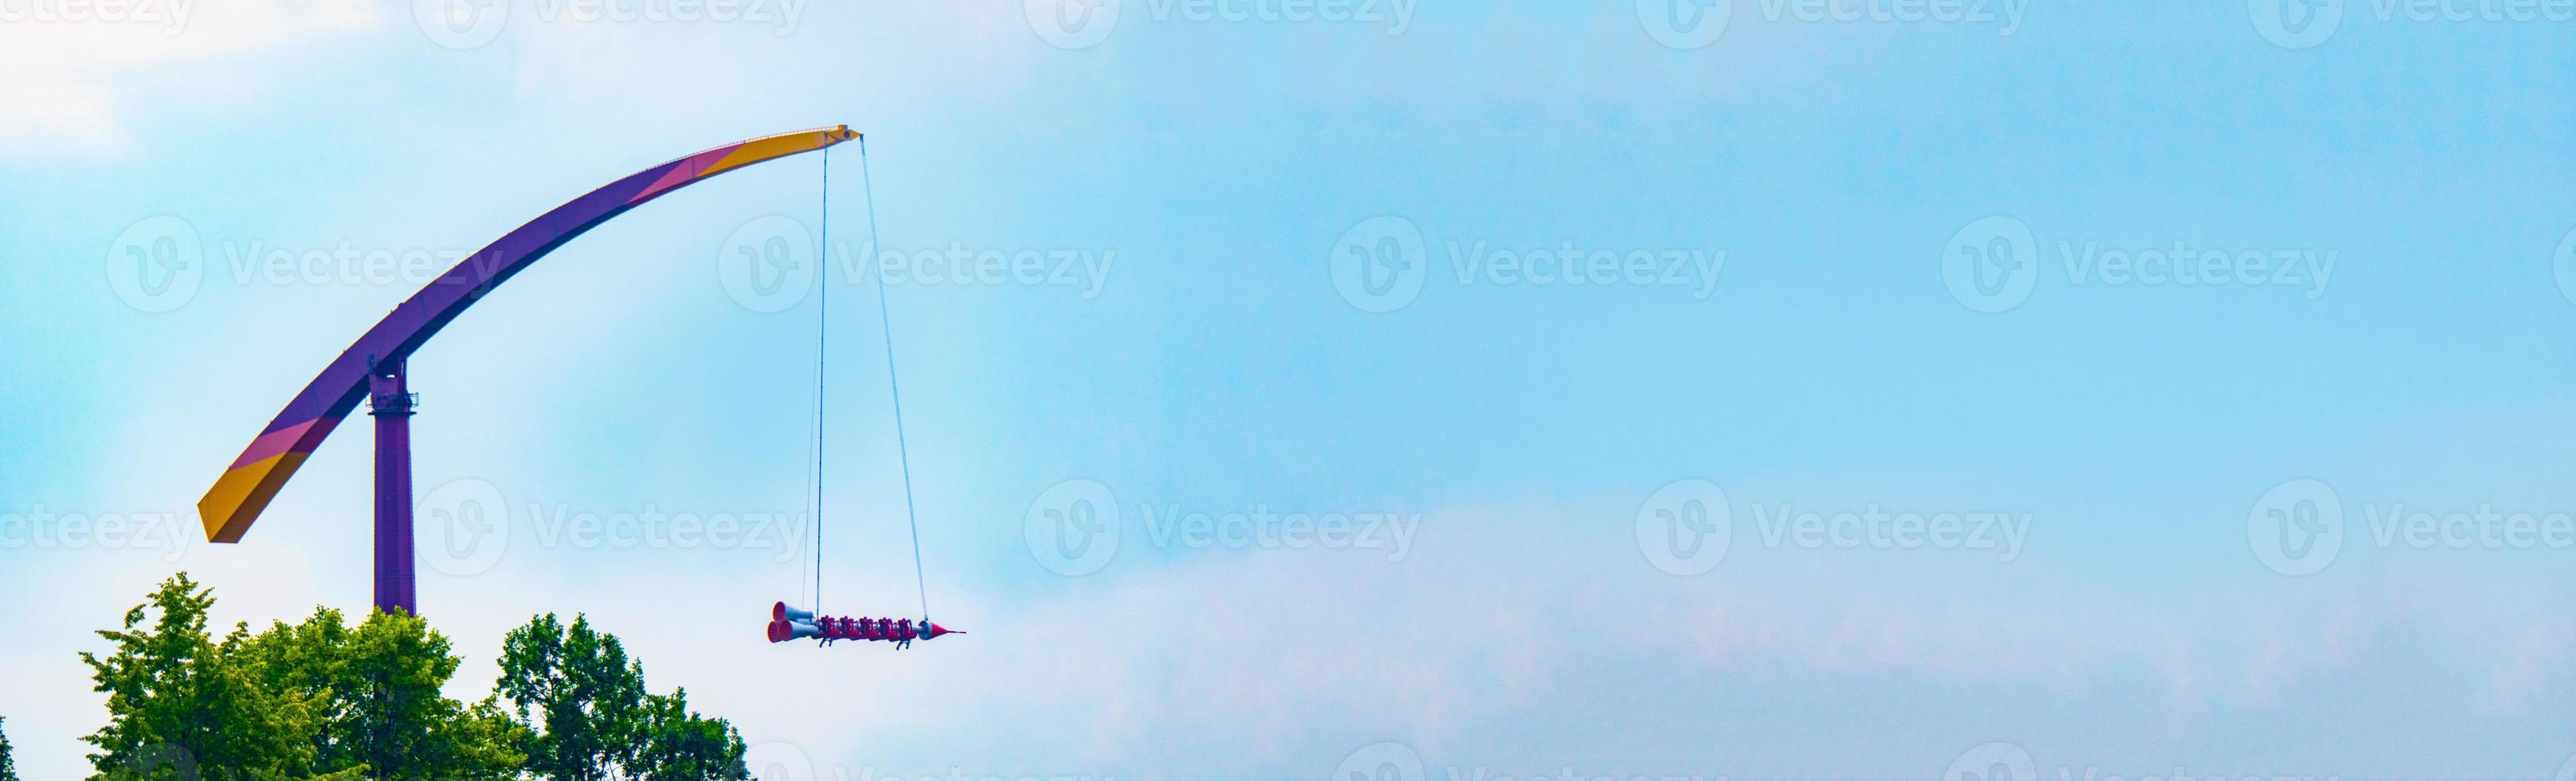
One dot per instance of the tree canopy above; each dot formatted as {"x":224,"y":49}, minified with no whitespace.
{"x":8,"y":767}
{"x":320,"y":699}
{"x":588,"y":716}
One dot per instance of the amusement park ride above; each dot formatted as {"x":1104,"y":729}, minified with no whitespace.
{"x":373,"y":369}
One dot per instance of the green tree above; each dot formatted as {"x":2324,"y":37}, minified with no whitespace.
{"x":377,"y":700}
{"x":586,"y":714}
{"x":177,"y":701}
{"x":8,"y":767}
{"x":575,"y":692}
{"x":307,"y":660}
{"x":316,"y":699}
{"x":324,"y":701}
{"x":680,"y":745}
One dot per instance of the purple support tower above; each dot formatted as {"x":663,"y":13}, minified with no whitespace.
{"x":390,"y":396}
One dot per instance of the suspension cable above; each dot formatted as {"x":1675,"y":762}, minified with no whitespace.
{"x":894,"y":389}
{"x":822,"y":332}
{"x":805,"y":568}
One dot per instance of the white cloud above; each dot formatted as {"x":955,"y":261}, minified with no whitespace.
{"x":75,"y":66}
{"x":1280,"y":660}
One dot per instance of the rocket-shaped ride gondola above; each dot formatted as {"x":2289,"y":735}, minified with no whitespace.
{"x":787,"y":623}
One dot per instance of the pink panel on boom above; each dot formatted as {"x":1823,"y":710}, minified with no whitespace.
{"x":268,"y":445}
{"x":685,"y":172}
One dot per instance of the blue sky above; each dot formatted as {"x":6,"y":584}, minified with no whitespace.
{"x":2038,"y":523}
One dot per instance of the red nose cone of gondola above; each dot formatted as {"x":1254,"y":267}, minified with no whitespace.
{"x":937,"y":630}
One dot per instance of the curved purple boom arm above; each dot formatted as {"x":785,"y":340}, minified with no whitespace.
{"x":253,"y":479}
